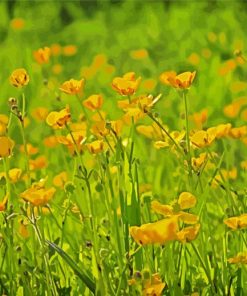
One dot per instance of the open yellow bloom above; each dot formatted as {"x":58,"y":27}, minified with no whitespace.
{"x":126,"y":85}
{"x":238,"y":132}
{"x":96,"y":147}
{"x":100,"y":129}
{"x":93,"y":102}
{"x":31,"y":150}
{"x":13,"y":174}
{"x":72,"y":86}
{"x":42,"y":55}
{"x":60,"y":179}
{"x":40,"y":113}
{"x":37,"y":194}
{"x":19,"y":78}
{"x":58,"y":119}
{"x":239,"y":222}
{"x":158,"y":232}
{"x":202,"y":139}
{"x":3,"y":203}
{"x":6,"y":146}
{"x":198,"y":162}
{"x":38,"y":163}
{"x":220,"y":131}
{"x":181,"y":81}
{"x":186,"y":200}
{"x":74,"y":143}
{"x":153,"y":286}
{"x":189,"y":233}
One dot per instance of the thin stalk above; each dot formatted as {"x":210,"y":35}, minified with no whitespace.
{"x":207,"y":272}
{"x":187,"y":134}
{"x":165,"y":131}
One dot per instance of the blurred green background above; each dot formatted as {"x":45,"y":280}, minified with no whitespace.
{"x":176,"y":35}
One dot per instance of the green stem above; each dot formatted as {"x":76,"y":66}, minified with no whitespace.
{"x":207,"y":272}
{"x":187,"y":134}
{"x":165,"y":131}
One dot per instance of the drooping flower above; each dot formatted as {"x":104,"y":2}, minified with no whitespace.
{"x":42,"y":55}
{"x":19,"y":78}
{"x":72,"y":86}
{"x":126,"y":85}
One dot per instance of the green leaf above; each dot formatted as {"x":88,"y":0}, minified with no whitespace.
{"x":83,"y":276}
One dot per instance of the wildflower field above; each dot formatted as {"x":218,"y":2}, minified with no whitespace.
{"x":123,"y":148}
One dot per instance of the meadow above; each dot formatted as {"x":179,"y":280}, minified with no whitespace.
{"x":123,"y":160}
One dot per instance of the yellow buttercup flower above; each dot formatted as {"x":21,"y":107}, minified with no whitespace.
{"x":42,"y":55}
{"x":3,"y":203}
{"x":19,"y":78}
{"x":72,"y":86}
{"x":100,"y":129}
{"x":40,"y":113}
{"x":186,"y":200}
{"x":96,"y":147}
{"x":238,"y":132}
{"x":241,"y":258}
{"x":13,"y":174}
{"x":70,"y":50}
{"x":94,"y":102}
{"x":153,"y":286}
{"x":201,"y":139}
{"x":60,"y":179}
{"x":181,"y":81}
{"x":38,"y":163}
{"x":74,"y":141}
{"x":220,"y":131}
{"x":189,"y":233}
{"x":6,"y":146}
{"x":158,"y":232}
{"x":37,"y":194}
{"x":238,"y":222}
{"x":198,"y":162}
{"x":139,"y":54}
{"x":17,"y":23}
{"x":31,"y":150}
{"x":58,"y":119}
{"x":126,"y":85}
